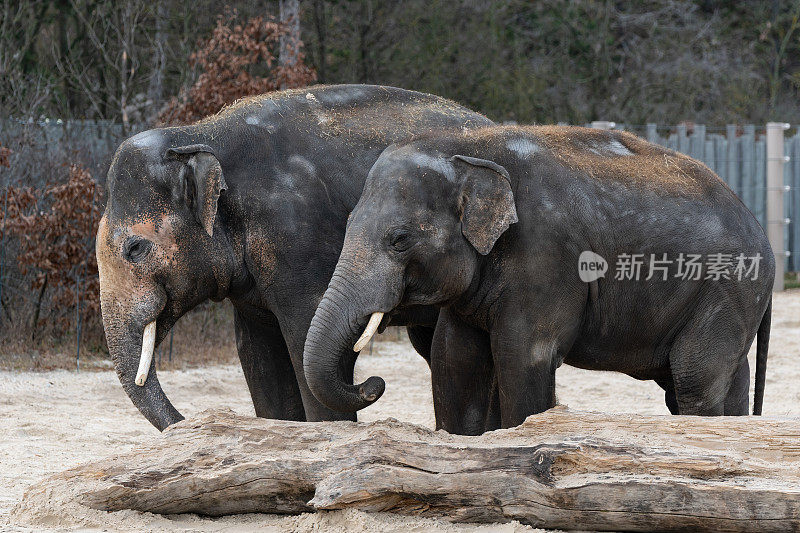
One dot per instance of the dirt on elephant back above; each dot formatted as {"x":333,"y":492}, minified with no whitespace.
{"x":54,"y":420}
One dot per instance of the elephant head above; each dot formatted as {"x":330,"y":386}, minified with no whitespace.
{"x":415,"y":237}
{"x":161,"y":250}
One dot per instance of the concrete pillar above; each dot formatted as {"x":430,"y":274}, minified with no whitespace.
{"x":776,"y":218}
{"x":603,"y":125}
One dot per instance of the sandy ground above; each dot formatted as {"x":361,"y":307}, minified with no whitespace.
{"x":55,"y":420}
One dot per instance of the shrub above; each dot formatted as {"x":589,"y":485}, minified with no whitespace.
{"x":4,"y":153}
{"x":238,"y":60}
{"x":56,"y":244}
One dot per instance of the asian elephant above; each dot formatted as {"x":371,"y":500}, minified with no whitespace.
{"x":250,"y":205}
{"x":523,"y":237}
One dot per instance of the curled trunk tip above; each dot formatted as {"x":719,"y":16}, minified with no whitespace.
{"x":323,"y":358}
{"x":346,"y":398}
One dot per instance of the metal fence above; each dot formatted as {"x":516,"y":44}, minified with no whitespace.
{"x":737,"y":153}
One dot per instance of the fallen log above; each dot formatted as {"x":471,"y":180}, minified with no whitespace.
{"x":560,"y":469}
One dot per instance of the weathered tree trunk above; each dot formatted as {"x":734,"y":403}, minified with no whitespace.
{"x":289,"y":14}
{"x":560,"y":469}
{"x":321,"y":25}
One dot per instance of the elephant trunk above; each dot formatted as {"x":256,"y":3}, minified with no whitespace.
{"x":331,"y":340}
{"x":149,"y":398}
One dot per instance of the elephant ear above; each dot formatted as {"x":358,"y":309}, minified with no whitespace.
{"x":202,"y":182}
{"x":487,"y":202}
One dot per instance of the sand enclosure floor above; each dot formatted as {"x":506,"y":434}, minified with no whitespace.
{"x":51,"y":421}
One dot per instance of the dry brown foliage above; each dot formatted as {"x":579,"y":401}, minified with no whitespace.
{"x":238,"y":60}
{"x":4,"y":153}
{"x":57,"y":242}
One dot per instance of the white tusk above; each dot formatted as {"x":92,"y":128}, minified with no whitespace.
{"x":148,"y":344}
{"x":369,"y":331}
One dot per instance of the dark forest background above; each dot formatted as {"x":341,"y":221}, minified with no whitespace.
{"x":664,"y":61}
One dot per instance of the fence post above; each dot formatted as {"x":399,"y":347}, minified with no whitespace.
{"x":603,"y":125}
{"x":652,"y":133}
{"x":732,"y":157}
{"x":3,"y":238}
{"x":747,"y":150}
{"x":683,"y":138}
{"x":78,"y":322}
{"x":3,"y":245}
{"x":776,"y":219}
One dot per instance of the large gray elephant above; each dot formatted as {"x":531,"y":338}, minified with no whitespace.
{"x":251,"y":205}
{"x":544,"y":245}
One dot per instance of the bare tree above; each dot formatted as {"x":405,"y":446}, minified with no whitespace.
{"x":570,"y":60}
{"x":320,"y":26}
{"x":22,"y":91}
{"x":155,"y":92}
{"x":289,"y":14}
{"x":784,"y":27}
{"x":101,"y":56}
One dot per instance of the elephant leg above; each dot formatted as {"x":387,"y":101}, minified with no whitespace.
{"x":704,"y":358}
{"x":669,"y":395}
{"x":737,"y":402}
{"x":493,"y":418}
{"x":421,"y":338}
{"x":526,"y":373}
{"x":267,"y":367}
{"x":461,"y":376}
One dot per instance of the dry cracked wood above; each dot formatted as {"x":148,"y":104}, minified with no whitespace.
{"x":560,"y":469}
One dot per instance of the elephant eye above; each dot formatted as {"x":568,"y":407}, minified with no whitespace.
{"x":400,"y":239}
{"x":136,"y":249}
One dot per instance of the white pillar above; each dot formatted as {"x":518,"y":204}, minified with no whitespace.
{"x":776,"y":218}
{"x":603,"y":125}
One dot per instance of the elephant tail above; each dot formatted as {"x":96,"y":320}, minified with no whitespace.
{"x":762,"y":344}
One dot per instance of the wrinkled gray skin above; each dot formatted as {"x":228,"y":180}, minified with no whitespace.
{"x":489,"y":225}
{"x":250,"y":205}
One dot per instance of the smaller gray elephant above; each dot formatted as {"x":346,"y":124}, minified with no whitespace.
{"x":544,"y":245}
